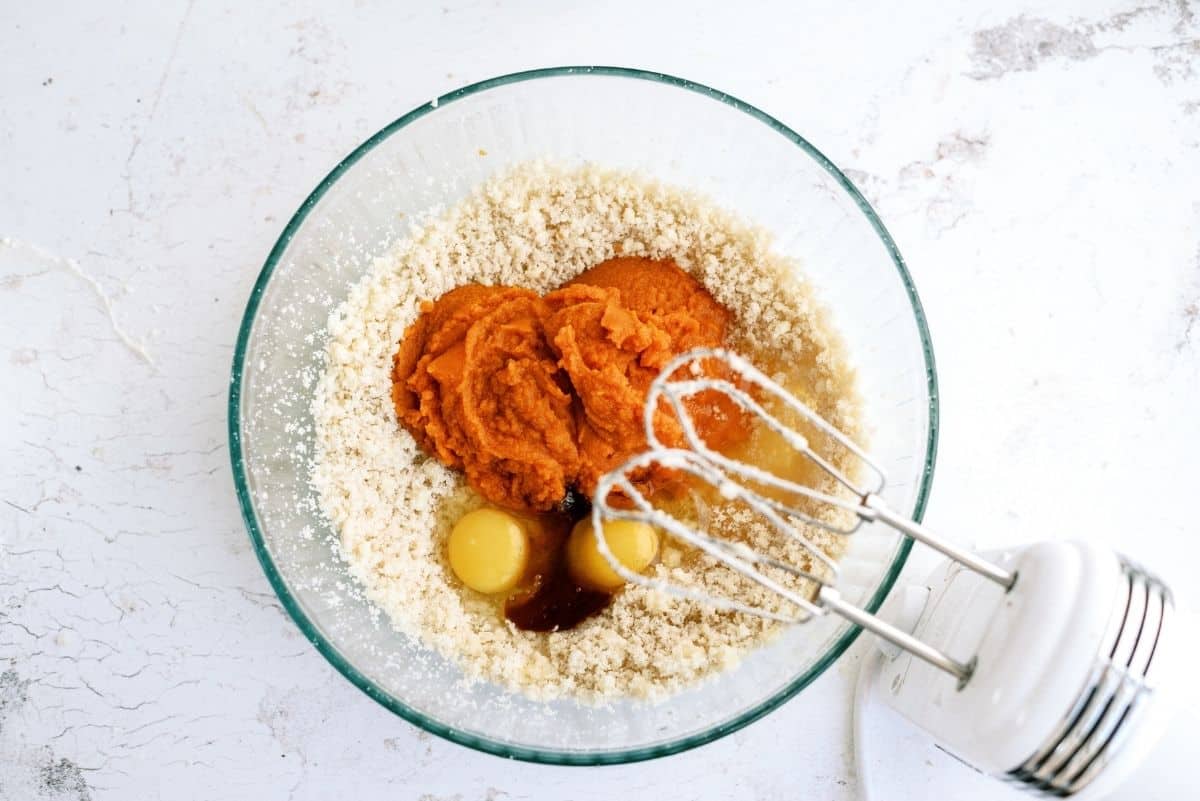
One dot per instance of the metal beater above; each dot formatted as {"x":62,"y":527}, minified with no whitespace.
{"x":1056,"y":666}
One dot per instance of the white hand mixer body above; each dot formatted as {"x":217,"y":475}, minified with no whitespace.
{"x":1078,"y":671}
{"x":1058,"y":666}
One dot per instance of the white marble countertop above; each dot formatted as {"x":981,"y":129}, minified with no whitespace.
{"x":1038,"y":164}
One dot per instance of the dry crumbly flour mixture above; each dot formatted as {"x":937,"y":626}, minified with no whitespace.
{"x":537,"y":226}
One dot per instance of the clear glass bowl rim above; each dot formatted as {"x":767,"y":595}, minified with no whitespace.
{"x":330,"y":651}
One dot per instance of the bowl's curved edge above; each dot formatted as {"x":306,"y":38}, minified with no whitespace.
{"x":330,"y":652}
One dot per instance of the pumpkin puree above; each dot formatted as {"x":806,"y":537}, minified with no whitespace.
{"x":531,"y":396}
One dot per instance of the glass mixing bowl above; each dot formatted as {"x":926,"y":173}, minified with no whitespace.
{"x":672,"y":129}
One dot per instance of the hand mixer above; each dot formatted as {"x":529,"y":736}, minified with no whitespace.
{"x":1057,"y":666}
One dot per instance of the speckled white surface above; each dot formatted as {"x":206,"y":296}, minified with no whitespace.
{"x":1038,"y":164}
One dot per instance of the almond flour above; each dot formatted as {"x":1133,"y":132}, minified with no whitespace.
{"x":537,"y":226}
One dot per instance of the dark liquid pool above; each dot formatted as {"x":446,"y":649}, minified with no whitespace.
{"x":555,"y":601}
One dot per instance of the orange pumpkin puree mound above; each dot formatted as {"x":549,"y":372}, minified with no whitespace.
{"x":692,"y":318}
{"x":531,"y":396}
{"x":611,"y":355}
{"x":681,"y":305}
{"x":478,"y":387}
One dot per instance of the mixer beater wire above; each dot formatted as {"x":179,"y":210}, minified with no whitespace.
{"x":791,"y":506}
